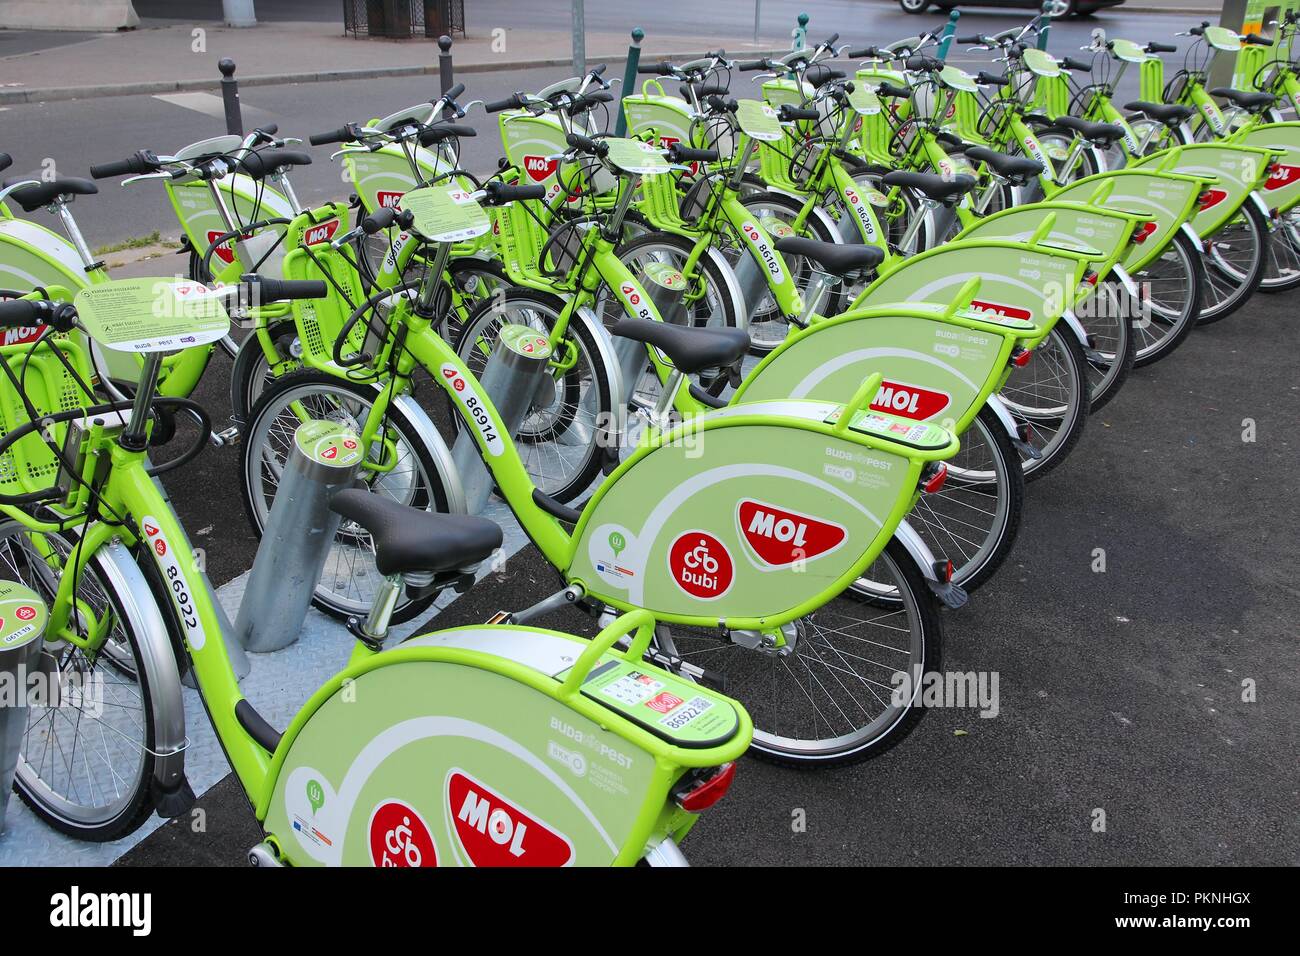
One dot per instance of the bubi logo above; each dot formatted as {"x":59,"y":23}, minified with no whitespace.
{"x":321,"y":233}
{"x":539,"y":168}
{"x":493,"y":831}
{"x":1000,"y":310}
{"x":388,"y":198}
{"x":1281,"y":176}
{"x":780,"y":537}
{"x":1212,"y":197}
{"x":701,"y":565}
{"x":910,"y":401}
{"x":400,"y":837}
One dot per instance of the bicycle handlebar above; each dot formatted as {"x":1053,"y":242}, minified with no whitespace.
{"x":144,"y":161}
{"x":344,"y":134}
{"x":1154,"y":47}
{"x":587,"y":145}
{"x":515,"y":101}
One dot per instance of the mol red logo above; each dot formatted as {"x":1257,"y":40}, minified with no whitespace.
{"x":399,"y":837}
{"x":1212,"y":197}
{"x":388,"y":199}
{"x":493,"y":831}
{"x":226,"y":253}
{"x":1282,"y":175}
{"x":910,"y":401}
{"x":630,"y":293}
{"x":22,"y":336}
{"x":539,"y":168}
{"x":322,"y":233}
{"x":701,"y":565}
{"x":1003,"y":311}
{"x":457,"y":382}
{"x":781,"y":537}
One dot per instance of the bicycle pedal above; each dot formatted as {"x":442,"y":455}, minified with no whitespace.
{"x":227,"y":436}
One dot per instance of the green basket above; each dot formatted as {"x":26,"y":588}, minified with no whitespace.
{"x":29,"y":465}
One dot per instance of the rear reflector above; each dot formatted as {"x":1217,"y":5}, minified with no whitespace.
{"x":1020,"y":357}
{"x":696,"y":794}
{"x":933,"y":477}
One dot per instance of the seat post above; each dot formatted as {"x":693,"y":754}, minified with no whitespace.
{"x":374,"y":630}
{"x":60,"y":208}
{"x":660,"y":415}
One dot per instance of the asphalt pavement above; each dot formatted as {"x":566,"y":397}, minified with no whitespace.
{"x":1120,"y":691}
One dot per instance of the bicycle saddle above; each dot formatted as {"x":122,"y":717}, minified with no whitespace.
{"x":260,"y":164}
{"x":1101,"y":133}
{"x":35,"y":196}
{"x":690,"y":349}
{"x":931,"y":185}
{"x":410,"y":540}
{"x":710,"y":87}
{"x":836,"y":258}
{"x":1170,"y":115}
{"x":1016,"y":168}
{"x":1254,"y":102}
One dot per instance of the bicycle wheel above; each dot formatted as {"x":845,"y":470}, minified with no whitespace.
{"x":563,"y":438}
{"x":1282,"y":265}
{"x":896,"y":219}
{"x":707,"y":300}
{"x":1109,"y":324}
{"x":1050,"y":393}
{"x":251,"y":373}
{"x":1234,"y":264}
{"x":1170,"y":300}
{"x":350,"y":580}
{"x":85,"y":766}
{"x":973,"y":520}
{"x":827,"y":695}
{"x":767,"y":326}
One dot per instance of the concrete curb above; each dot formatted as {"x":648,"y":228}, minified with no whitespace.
{"x":12,"y":97}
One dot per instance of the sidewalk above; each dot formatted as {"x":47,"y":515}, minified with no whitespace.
{"x":160,"y":57}
{"x":168,"y":56}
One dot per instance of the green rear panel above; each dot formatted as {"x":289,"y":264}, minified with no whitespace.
{"x":749,"y":512}
{"x":1282,"y":190}
{"x":1236,"y":170}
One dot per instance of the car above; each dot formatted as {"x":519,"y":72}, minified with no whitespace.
{"x":1059,"y":8}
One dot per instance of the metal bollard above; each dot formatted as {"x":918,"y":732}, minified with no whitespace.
{"x":629,"y":78}
{"x":298,"y":536}
{"x":22,"y":625}
{"x":230,"y":97}
{"x":751,"y":275}
{"x":445,"y":81}
{"x":513,"y":382}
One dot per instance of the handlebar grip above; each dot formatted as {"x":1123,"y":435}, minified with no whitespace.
{"x":1196,"y":31}
{"x":974,"y":39}
{"x":830,"y":40}
{"x":787,"y":113}
{"x":716,"y":102}
{"x":661,"y":69}
{"x":278,"y":290}
{"x":688,"y":154}
{"x":1070,"y":63}
{"x":749,"y":66}
{"x":1154,"y":47}
{"x":598,"y":70}
{"x":377,"y":220}
{"x":142,"y":162}
{"x":920,"y":63}
{"x":889,"y":89}
{"x":340,"y":135}
{"x":500,"y":193}
{"x":452,"y":93}
{"x":991,"y":79}
{"x":512,"y":102}
{"x":587,"y":145}
{"x":1254,"y":39}
{"x":24,"y":313}
{"x":436,"y":134}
